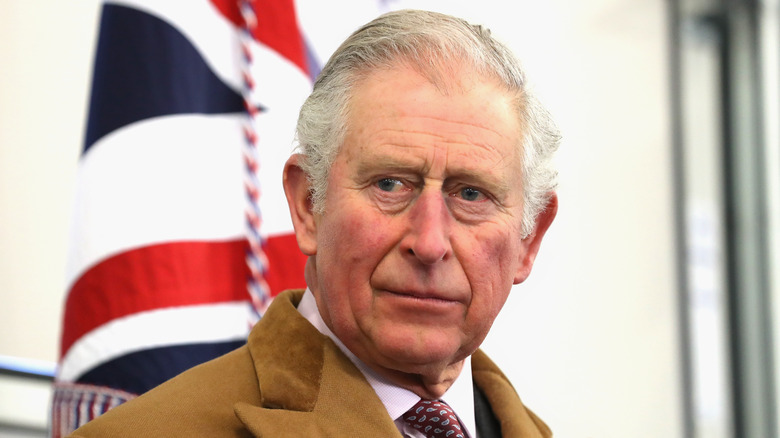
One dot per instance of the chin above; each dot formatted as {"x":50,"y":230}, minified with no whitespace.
{"x":422,"y":357}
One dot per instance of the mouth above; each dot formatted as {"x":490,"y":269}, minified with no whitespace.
{"x":431,"y":297}
{"x":423,"y":307}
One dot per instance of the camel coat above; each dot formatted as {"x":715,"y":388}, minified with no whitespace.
{"x":289,"y":380}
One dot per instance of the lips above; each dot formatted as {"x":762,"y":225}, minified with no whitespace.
{"x":422,"y":294}
{"x":439,"y":285}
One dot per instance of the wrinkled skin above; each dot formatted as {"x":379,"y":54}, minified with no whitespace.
{"x":420,"y":242}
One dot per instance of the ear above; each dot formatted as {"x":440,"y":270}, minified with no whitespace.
{"x":296,"y":189}
{"x":532,"y":242}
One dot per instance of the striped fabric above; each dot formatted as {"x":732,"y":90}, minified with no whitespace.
{"x":157,"y":275}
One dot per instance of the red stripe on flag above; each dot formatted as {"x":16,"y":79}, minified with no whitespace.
{"x":172,"y":274}
{"x":286,"y":263}
{"x":154,"y":277}
{"x":277,"y":27}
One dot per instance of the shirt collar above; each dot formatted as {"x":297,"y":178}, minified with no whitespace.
{"x":397,"y":400}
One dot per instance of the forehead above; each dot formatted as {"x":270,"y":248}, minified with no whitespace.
{"x":400,"y":113}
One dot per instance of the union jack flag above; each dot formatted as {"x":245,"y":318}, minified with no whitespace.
{"x":158,"y":270}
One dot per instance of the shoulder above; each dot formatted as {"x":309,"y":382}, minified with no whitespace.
{"x":515,"y":418}
{"x":201,"y":401}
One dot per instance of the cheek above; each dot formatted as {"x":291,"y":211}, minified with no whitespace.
{"x":490,"y":270}
{"x":368,"y":234}
{"x":350,"y":254}
{"x":496,"y":254}
{"x":354,"y":244}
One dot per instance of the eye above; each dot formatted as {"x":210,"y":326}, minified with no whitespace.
{"x":471,"y":194}
{"x":389,"y":184}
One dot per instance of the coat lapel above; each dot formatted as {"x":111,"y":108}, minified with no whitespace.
{"x":516,"y":420}
{"x":308,"y":387}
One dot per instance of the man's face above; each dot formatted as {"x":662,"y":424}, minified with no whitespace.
{"x":420,"y":241}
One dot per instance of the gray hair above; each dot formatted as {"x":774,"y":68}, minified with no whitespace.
{"x":433,"y":44}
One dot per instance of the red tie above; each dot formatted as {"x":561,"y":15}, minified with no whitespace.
{"x":435,"y":419}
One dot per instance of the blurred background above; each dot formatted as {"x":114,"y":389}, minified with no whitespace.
{"x":653,"y":306}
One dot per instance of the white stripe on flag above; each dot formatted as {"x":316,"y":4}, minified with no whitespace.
{"x":158,"y":328}
{"x":174,"y":178}
{"x":165,"y":179}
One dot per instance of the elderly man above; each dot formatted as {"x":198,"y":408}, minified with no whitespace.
{"x":421,"y":194}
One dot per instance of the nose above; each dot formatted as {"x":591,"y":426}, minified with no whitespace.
{"x":428,"y":238}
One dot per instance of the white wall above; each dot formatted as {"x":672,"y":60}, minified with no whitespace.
{"x":597,"y":339}
{"x":590,"y":341}
{"x":45,"y":68}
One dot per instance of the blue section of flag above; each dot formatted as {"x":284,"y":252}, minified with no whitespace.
{"x":146,"y":68}
{"x":143,"y":370}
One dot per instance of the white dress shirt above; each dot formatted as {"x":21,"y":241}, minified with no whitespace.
{"x":397,"y":400}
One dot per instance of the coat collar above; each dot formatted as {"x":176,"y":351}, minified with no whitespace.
{"x":515,"y":419}
{"x":308,"y":387}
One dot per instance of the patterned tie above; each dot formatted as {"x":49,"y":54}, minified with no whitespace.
{"x":435,"y":419}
